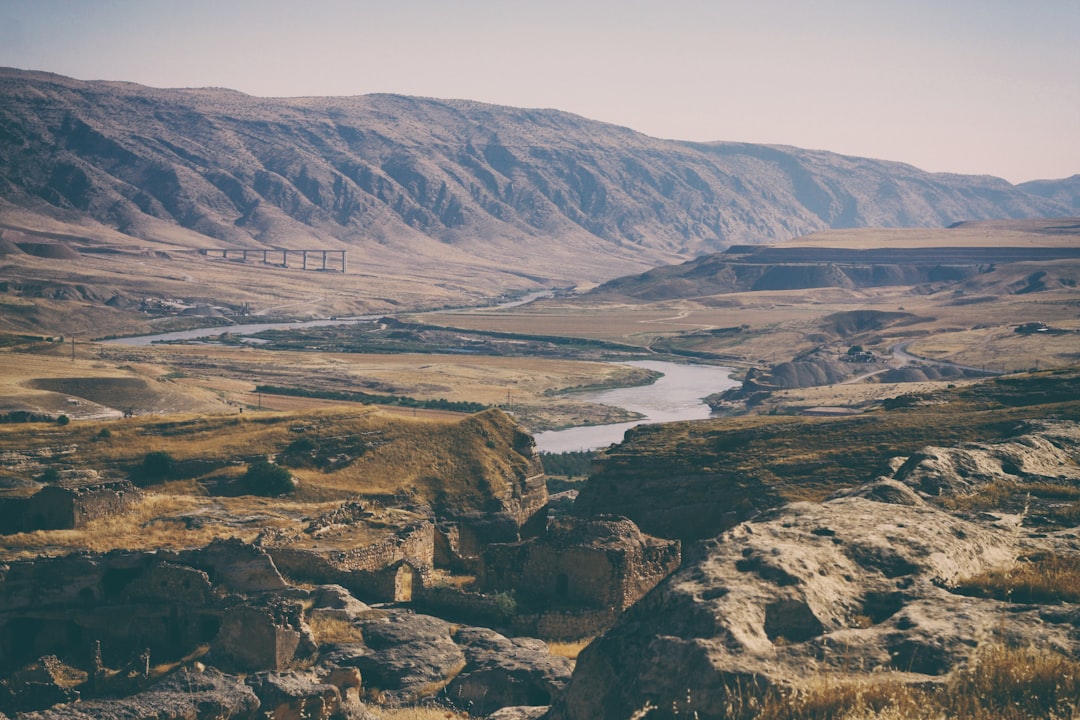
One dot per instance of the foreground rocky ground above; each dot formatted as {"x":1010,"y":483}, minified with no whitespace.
{"x":904,"y":580}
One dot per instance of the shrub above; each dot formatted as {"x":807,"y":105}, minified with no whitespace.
{"x":266,"y":478}
{"x":301,"y":452}
{"x":63,"y":420}
{"x":506,"y":603}
{"x":156,"y":467}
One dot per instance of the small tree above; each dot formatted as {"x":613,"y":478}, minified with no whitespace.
{"x":63,"y":420}
{"x":266,"y":478}
{"x":854,"y":349}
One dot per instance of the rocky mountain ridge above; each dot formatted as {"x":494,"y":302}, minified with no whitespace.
{"x":559,"y":195}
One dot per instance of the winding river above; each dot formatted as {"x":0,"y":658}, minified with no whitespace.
{"x":678,"y":395}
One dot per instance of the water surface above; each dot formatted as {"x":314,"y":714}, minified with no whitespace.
{"x":678,"y":395}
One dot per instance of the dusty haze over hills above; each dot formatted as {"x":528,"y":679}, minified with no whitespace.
{"x":985,"y":87}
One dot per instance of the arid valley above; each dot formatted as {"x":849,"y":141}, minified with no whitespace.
{"x":345,"y":513}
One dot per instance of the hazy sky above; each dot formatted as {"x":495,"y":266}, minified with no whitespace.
{"x":968,"y":86}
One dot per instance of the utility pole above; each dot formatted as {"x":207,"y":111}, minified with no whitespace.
{"x":72,"y":348}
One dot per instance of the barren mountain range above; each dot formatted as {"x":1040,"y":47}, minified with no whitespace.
{"x":217,"y":168}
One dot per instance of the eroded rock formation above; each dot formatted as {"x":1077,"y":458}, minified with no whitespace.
{"x":853,"y":584}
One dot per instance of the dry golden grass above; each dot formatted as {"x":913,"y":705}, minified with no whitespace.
{"x":176,"y":379}
{"x":568,"y":649}
{"x":462,"y":462}
{"x":1000,"y":683}
{"x":164,"y":521}
{"x":331,"y":629}
{"x":1044,"y":578}
{"x":444,"y":578}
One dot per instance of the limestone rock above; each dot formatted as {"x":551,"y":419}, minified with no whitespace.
{"x":884,"y":490}
{"x":503,"y":671}
{"x":335,"y":601}
{"x":1049,"y":452}
{"x":237,"y":566}
{"x":405,"y":656}
{"x":184,"y":695}
{"x":295,"y":696}
{"x":850,"y":584}
{"x":518,"y":713}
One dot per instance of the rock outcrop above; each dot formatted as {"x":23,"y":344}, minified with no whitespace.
{"x":185,"y":695}
{"x":404,"y":656}
{"x":505,"y":672}
{"x":853,"y":584}
{"x":1048,"y":452}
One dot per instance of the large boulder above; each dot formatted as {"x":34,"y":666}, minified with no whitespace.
{"x":853,"y":584}
{"x":502,"y":672}
{"x":405,"y":657}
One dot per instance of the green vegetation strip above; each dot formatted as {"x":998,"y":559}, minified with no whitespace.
{"x":362,"y":397}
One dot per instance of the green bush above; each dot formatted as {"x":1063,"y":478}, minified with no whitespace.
{"x":63,"y":420}
{"x":156,"y":467}
{"x":266,"y":478}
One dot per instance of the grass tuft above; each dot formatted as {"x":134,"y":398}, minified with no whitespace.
{"x":1046,"y":578}
{"x":999,"y":683}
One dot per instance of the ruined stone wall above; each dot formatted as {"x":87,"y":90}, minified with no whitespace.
{"x":459,"y":605}
{"x":641,"y":572}
{"x":65,"y":508}
{"x":101,"y":501}
{"x":51,"y":508}
{"x":599,"y":563}
{"x":564,"y":576}
{"x":414,"y":545}
{"x":565,"y":625}
{"x":126,"y":601}
{"x":372,"y":571}
{"x":575,"y":575}
{"x":169,"y":602}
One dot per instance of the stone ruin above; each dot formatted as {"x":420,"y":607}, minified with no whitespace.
{"x":65,"y":506}
{"x":120,"y":604}
{"x":580,"y":575}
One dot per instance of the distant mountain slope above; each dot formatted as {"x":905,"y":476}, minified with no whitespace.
{"x":1066,"y":191}
{"x":540,"y":187}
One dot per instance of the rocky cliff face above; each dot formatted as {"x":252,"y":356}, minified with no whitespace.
{"x":382,"y":173}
